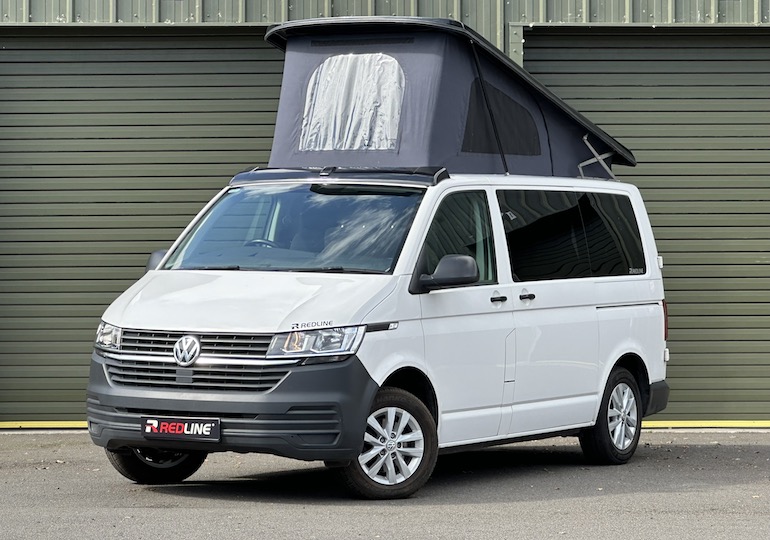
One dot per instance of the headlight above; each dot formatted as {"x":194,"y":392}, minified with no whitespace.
{"x":107,"y":336}
{"x":322,"y":345}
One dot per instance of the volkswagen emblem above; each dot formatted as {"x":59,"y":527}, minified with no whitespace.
{"x":186,"y":350}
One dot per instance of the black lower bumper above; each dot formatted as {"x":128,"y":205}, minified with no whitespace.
{"x":316,"y":412}
{"x":658,"y":401}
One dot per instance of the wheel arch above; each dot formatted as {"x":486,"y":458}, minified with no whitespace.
{"x":636,"y":366}
{"x":416,"y":383}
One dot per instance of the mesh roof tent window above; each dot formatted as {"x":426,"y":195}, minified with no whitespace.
{"x":518,"y":130}
{"x":440,"y":61}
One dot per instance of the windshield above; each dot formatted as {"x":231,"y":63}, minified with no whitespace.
{"x":301,"y":227}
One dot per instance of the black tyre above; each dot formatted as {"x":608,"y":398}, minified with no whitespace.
{"x":335,"y":464}
{"x":614,"y":438}
{"x":153,"y":466}
{"x":400,"y":448}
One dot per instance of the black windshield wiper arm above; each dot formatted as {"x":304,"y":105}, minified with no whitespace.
{"x":338,"y":270}
{"x":212,"y":267}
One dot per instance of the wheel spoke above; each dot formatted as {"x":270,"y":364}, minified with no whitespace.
{"x":374,"y":470}
{"x":614,"y":416}
{"x":371,"y":439}
{"x":412,"y":452}
{"x":364,"y":458}
{"x":372,"y":422}
{"x":628,"y":399}
{"x":406,"y":472}
{"x":414,"y":436}
{"x":390,"y":469}
{"x":404,"y":421}
{"x":391,"y":422}
{"x":617,"y":436}
{"x":629,"y":433}
{"x":617,"y":398}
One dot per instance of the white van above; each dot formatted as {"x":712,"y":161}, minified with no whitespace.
{"x":374,"y":319}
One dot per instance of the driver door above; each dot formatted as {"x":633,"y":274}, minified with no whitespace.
{"x":465,"y":327}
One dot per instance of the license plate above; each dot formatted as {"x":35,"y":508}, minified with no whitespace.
{"x":181,"y":429}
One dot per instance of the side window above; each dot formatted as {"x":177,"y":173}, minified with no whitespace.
{"x":613,"y":235}
{"x":544,"y":234}
{"x":462,"y":226}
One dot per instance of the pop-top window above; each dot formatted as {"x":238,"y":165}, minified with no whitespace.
{"x":353,"y":102}
{"x":515,"y":126}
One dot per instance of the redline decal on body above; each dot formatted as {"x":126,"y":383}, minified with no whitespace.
{"x":311,"y":324}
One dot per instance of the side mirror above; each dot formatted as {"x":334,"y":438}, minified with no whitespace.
{"x":155,"y":259}
{"x":452,"y":270}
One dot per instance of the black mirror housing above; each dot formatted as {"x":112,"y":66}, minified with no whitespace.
{"x":154,"y":260}
{"x":451,"y":271}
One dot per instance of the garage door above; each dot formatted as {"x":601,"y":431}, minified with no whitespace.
{"x":695,"y":109}
{"x":109,"y":142}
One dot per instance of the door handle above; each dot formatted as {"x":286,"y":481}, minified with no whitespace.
{"x":530,"y":296}
{"x":498,"y":299}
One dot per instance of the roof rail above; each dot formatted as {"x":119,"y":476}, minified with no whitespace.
{"x":422,"y":175}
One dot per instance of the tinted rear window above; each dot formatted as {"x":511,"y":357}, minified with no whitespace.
{"x":563,"y":235}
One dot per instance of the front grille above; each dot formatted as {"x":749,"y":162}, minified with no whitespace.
{"x":219,"y":345}
{"x":167,"y":374}
{"x":146,"y":360}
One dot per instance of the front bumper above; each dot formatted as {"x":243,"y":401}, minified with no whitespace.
{"x":316,"y":412}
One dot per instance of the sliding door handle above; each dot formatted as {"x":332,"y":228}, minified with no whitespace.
{"x":530,"y":296}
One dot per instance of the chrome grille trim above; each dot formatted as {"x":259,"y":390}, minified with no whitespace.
{"x":228,"y":362}
{"x":203,"y":360}
{"x":217,"y":345}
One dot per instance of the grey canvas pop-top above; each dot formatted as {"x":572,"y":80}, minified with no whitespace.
{"x":403,"y":92}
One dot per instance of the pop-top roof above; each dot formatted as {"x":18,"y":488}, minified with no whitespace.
{"x":395,"y":92}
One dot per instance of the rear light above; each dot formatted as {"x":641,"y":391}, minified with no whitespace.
{"x":665,"y":320}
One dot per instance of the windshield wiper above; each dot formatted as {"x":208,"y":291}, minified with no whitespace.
{"x":337,"y":270}
{"x":212,"y":267}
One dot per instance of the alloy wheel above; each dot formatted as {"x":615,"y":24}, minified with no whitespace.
{"x":393,"y":446}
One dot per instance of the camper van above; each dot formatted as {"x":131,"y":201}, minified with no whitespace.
{"x":375,"y":317}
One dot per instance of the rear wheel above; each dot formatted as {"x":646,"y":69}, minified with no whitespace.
{"x":614,"y":438}
{"x":400,"y":448}
{"x":153,"y":466}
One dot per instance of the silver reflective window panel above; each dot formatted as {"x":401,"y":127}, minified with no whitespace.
{"x":353,"y":102}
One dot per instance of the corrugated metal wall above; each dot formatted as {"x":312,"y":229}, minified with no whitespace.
{"x":109,"y":142}
{"x":486,"y":16}
{"x":695,"y":108}
{"x":112,"y":137}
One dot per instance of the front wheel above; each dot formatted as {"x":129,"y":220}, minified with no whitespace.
{"x":400,"y":448}
{"x":153,"y":466}
{"x":614,"y":438}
